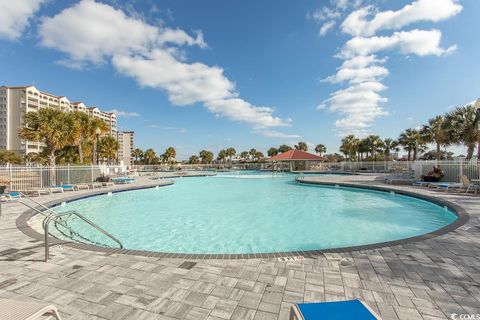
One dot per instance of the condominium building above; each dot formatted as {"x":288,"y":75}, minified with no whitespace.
{"x":125,"y":141}
{"x":16,"y":101}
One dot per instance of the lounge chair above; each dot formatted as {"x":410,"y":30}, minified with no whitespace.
{"x":11,"y":196}
{"x":421,"y":184}
{"x":56,"y":189}
{"x":79,"y":186}
{"x":123,"y":180}
{"x":94,"y":185}
{"x":337,"y":310}
{"x":21,"y":310}
{"x":446,"y":186}
{"x":68,"y":187}
{"x":107,"y":184}
{"x":468,"y":185}
{"x":37,"y":192}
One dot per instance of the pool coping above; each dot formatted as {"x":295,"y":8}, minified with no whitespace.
{"x":461,"y":213}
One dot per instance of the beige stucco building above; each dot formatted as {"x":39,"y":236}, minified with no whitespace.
{"x":125,"y":140}
{"x":16,"y":101}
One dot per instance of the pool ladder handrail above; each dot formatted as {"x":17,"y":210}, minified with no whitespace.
{"x":49,"y":219}
{"x":53,"y":216}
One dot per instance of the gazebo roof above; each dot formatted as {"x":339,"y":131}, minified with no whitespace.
{"x":295,"y":154}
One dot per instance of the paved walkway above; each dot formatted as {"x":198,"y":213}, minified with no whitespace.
{"x":422,"y":280}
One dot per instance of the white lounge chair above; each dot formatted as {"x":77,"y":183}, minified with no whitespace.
{"x":21,"y":310}
{"x":468,"y":186}
{"x":37,"y":192}
{"x":94,"y":185}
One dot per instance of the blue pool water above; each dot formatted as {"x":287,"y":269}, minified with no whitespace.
{"x":255,"y":213}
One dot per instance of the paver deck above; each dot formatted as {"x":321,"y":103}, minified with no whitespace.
{"x":428,"y":279}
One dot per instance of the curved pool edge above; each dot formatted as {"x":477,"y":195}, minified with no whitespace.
{"x":460,"y":212}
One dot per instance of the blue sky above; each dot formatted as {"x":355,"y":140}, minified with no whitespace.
{"x":214,"y":74}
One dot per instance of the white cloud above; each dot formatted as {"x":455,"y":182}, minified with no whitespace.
{"x":358,"y":74}
{"x":359,"y":105}
{"x":360,"y":102}
{"x":326,"y":27}
{"x":96,"y":33}
{"x":15,"y":15}
{"x":419,"y":42}
{"x":277,"y":134}
{"x":240,"y":110}
{"x":357,"y":22}
{"x":125,"y":114}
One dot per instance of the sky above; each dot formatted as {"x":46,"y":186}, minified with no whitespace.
{"x":214,"y":74}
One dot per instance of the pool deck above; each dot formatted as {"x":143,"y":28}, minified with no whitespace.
{"x":427,"y":279}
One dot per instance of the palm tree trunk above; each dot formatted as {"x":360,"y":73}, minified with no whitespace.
{"x":409,"y":153}
{"x":51,"y":157}
{"x":414,"y":154}
{"x":470,"y":149}
{"x":478,"y":151}
{"x":438,"y":151}
{"x":80,"y":152}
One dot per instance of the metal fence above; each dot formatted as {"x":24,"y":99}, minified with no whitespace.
{"x":28,"y":177}
{"x":452,"y":170}
{"x":22,"y":178}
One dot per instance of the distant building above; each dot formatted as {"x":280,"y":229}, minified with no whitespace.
{"x":125,"y":140}
{"x":16,"y":101}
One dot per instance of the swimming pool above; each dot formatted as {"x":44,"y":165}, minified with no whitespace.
{"x":255,"y":213}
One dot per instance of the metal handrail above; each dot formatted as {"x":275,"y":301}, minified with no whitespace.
{"x":54,"y":216}
{"x":59,"y":215}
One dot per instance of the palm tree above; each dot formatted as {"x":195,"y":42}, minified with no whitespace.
{"x":222,"y":155}
{"x":86,"y":130}
{"x":207,"y":156}
{"x":284,"y":148}
{"x":363,"y":148}
{"x":389,"y":145}
{"x":349,"y":146}
{"x":108,"y":148}
{"x":149,"y":155}
{"x":435,"y":132}
{"x":253,"y":153}
{"x":137,"y":153}
{"x":51,"y":126}
{"x":375,"y":144}
{"x":301,"y":146}
{"x":462,"y":127}
{"x":194,"y":159}
{"x":10,"y":157}
{"x":320,"y":148}
{"x":169,"y":154}
{"x":244,"y":155}
{"x":230,"y":153}
{"x":33,"y":157}
{"x":412,"y":140}
{"x":272,"y":152}
{"x":259,"y":155}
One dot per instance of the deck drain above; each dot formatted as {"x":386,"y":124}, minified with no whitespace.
{"x":77,"y":266}
{"x":294,"y":258}
{"x":187,"y":265}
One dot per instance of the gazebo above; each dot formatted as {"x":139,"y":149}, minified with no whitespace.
{"x":297,"y":160}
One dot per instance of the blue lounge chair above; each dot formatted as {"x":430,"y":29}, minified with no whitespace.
{"x":10,"y":196}
{"x":421,"y":184}
{"x":337,"y":310}
{"x":123,"y":180}
{"x":447,"y":186}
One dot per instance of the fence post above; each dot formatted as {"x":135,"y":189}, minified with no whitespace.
{"x":40,"y":171}
{"x":92,"y":172}
{"x":68,"y":173}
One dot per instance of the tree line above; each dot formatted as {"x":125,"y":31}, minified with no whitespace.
{"x":458,"y":127}
{"x":69,"y":138}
